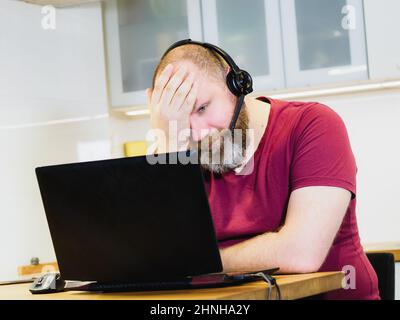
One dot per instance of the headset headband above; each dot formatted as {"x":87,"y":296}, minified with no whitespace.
{"x":210,"y":46}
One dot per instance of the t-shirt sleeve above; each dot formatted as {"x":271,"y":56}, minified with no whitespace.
{"x":322,"y":154}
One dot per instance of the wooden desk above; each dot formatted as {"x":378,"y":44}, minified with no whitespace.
{"x":390,"y":247}
{"x":292,"y":287}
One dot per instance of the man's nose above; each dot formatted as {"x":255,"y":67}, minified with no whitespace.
{"x":199,"y":132}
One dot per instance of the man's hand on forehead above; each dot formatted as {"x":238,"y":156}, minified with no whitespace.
{"x":171,"y":102}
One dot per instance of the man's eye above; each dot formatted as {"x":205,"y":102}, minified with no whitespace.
{"x":201,"y":109}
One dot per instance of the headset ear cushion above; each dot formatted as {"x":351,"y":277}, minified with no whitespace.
{"x":246,"y":82}
{"x":233,"y":83}
{"x":239,"y":83}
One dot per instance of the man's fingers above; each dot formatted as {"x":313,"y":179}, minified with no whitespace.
{"x":160,"y":84}
{"x":182,"y":92}
{"x":173,"y":84}
{"x":190,"y":101}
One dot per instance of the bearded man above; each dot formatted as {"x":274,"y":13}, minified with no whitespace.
{"x":287,"y":197}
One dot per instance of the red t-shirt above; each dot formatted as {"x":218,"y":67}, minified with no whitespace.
{"x":305,"y":144}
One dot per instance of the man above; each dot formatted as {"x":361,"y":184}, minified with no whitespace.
{"x":289,"y":200}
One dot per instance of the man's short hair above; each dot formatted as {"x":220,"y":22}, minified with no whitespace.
{"x":205,"y":59}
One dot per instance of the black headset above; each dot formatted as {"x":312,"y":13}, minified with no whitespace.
{"x":238,"y":81}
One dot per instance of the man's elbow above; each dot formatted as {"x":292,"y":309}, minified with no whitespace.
{"x":306,"y":261}
{"x":314,"y":258}
{"x":308,"y":265}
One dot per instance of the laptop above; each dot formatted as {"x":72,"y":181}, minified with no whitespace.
{"x":125,"y":224}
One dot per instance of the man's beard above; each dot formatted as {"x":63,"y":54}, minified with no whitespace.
{"x":223,"y":150}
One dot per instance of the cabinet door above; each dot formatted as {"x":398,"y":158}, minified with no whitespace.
{"x":324,"y":41}
{"x":250,"y":32}
{"x":137,"y":34}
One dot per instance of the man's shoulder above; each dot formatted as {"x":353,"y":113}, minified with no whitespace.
{"x":305,"y":112}
{"x":291,"y":108}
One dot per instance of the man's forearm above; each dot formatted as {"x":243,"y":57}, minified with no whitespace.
{"x":269,"y":250}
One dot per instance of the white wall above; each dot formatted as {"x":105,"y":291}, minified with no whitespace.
{"x":53,"y":109}
{"x":123,"y":130}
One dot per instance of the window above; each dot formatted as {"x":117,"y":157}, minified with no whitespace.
{"x":323,"y":41}
{"x":249,"y":33}
{"x":138,"y":32}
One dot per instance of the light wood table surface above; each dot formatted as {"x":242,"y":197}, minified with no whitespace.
{"x":292,"y":287}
